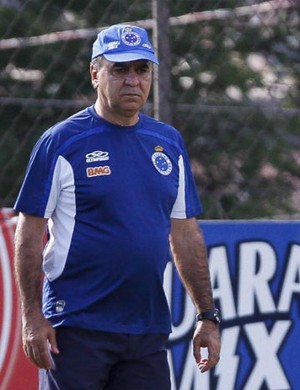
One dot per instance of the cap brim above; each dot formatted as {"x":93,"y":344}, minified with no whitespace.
{"x":131,"y":56}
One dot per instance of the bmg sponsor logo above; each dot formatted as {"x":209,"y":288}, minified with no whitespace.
{"x":98,"y":171}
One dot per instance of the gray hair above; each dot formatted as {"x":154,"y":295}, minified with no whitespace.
{"x":97,"y":62}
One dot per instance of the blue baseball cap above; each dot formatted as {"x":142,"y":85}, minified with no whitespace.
{"x":124,"y":43}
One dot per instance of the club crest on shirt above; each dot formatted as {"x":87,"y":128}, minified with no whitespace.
{"x":162,"y":163}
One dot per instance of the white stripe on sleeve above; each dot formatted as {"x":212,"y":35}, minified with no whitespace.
{"x":179,"y":208}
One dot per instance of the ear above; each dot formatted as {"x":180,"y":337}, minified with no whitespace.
{"x":93,"y":73}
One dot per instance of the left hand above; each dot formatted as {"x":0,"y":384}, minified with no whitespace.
{"x":207,"y":335}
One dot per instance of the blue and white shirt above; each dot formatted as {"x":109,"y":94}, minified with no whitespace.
{"x":109,"y":193}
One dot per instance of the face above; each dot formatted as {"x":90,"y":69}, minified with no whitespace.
{"x":122,"y":88}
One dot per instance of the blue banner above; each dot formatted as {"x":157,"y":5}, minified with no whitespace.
{"x":255,"y":274}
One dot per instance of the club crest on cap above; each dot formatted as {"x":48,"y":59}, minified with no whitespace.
{"x":130,"y":38}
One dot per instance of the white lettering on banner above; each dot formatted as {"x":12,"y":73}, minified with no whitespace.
{"x":220,"y":276}
{"x":242,"y":295}
{"x":266,"y":346}
{"x":227,"y":369}
{"x":291,"y":283}
{"x":257,"y":267}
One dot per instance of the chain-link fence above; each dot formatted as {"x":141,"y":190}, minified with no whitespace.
{"x":233,"y":70}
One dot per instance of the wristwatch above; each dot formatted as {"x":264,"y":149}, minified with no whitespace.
{"x":211,"y":315}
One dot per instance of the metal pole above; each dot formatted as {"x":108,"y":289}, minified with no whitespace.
{"x":162,"y":73}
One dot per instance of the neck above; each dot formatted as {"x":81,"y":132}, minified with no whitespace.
{"x":117,"y":119}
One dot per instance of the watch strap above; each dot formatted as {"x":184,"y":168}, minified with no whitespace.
{"x":211,"y":315}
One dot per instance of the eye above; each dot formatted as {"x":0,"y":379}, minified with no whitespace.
{"x":119,"y":70}
{"x":143,"y":69}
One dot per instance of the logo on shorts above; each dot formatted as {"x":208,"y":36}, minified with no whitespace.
{"x":59,"y":306}
{"x":97,"y":155}
{"x":162,"y":163}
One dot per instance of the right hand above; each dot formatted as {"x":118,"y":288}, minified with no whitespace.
{"x":39,"y":340}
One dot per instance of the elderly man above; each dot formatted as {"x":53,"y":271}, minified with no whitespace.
{"x":115,"y":191}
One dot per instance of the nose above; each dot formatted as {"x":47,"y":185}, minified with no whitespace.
{"x":132,"y":78}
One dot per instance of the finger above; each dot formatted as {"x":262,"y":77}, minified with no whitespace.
{"x":44,"y":348}
{"x":45,"y":356}
{"x":53,"y":343}
{"x":197,"y":351}
{"x":29,"y":353}
{"x":41,"y":358}
{"x":26,"y":350}
{"x":203,"y":365}
{"x":34,"y":357}
{"x":214,"y":349}
{"x":38,"y":353}
{"x":207,"y":364}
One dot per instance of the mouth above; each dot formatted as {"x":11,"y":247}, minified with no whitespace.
{"x":131,"y":97}
{"x":132,"y":94}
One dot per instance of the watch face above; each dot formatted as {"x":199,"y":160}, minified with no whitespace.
{"x":217,"y":316}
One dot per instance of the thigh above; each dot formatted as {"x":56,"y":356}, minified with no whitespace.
{"x":83,"y":363}
{"x":150,"y":372}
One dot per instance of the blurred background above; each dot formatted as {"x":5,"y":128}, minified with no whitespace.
{"x":228,"y":80}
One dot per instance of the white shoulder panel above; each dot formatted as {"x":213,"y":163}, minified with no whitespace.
{"x":61,"y":210}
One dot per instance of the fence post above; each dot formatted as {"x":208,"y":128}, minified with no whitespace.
{"x":162,"y":73}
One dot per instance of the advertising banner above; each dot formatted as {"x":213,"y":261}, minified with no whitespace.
{"x":255,"y":272}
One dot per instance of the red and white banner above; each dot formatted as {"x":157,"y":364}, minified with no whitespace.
{"x":16,"y":372}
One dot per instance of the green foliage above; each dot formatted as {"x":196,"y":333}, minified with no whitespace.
{"x":255,"y":178}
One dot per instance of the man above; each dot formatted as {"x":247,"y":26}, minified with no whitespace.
{"x":112,"y":185}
